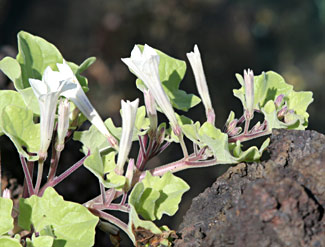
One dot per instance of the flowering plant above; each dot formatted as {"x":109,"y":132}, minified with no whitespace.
{"x":52,"y":90}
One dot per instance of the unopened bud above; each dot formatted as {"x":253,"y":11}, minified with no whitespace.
{"x":282,"y":112}
{"x":278,"y":101}
{"x":249,"y":91}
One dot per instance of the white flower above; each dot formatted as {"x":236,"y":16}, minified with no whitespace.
{"x":47,"y":92}
{"x":249,"y":91}
{"x":73,"y":91}
{"x":145,"y":66}
{"x":129,"y":113}
{"x":201,"y":84}
{"x":63,"y":123}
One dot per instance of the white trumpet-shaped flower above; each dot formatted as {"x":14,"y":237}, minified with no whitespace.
{"x":129,"y":113}
{"x":47,"y":92}
{"x":196,"y":63}
{"x":145,"y":65}
{"x":73,"y":91}
{"x":151,"y":111}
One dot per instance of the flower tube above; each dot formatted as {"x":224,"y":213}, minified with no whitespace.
{"x":129,"y":113}
{"x":196,"y":63}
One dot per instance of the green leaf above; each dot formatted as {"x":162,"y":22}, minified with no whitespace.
{"x":72,"y":223}
{"x":40,"y":241}
{"x":155,"y":196}
{"x":171,"y":73}
{"x":86,"y":64}
{"x":9,"y":97}
{"x":11,"y":68}
{"x":7,"y":222}
{"x":141,"y":122}
{"x":135,"y":222}
{"x":17,"y":123}
{"x":8,"y":241}
{"x":92,"y":138}
{"x":103,"y":167}
{"x":34,"y":55}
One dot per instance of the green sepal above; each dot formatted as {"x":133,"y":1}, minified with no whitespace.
{"x":155,"y":196}
{"x":171,"y":73}
{"x":7,"y":222}
{"x":17,"y":123}
{"x":72,"y":223}
{"x":103,"y":168}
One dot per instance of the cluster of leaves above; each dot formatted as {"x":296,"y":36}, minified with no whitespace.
{"x":47,"y":220}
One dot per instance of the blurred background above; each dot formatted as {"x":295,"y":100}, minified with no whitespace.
{"x":285,"y":36}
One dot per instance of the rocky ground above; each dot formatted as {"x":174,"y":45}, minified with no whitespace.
{"x":278,"y":202}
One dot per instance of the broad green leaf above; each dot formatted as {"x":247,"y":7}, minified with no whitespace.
{"x":17,"y":123}
{"x":155,"y":196}
{"x":72,"y":224}
{"x":11,"y":68}
{"x":9,"y":97}
{"x":135,"y":222}
{"x":35,"y":54}
{"x":217,"y":141}
{"x":8,"y":241}
{"x":171,"y":73}
{"x":30,"y":100}
{"x":7,"y":222}
{"x":103,"y":168}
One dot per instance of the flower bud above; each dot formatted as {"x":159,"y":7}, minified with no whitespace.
{"x":63,"y":123}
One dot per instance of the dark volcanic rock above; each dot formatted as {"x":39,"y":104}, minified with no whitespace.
{"x":278,"y":202}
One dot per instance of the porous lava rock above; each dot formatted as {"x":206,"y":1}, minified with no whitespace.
{"x":277,"y":202}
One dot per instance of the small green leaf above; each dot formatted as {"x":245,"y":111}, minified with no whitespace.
{"x":103,"y":168}
{"x":7,"y":222}
{"x":72,"y":223}
{"x":86,"y":64}
{"x":155,"y":196}
{"x":141,"y":122}
{"x":8,"y":241}
{"x":17,"y":123}
{"x":171,"y":73}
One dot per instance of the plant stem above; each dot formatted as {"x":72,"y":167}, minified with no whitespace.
{"x":64,"y":175}
{"x":39,"y":175}
{"x":248,"y":136}
{"x":112,"y":206}
{"x":102,"y":192}
{"x":110,"y":218}
{"x":28,"y":178}
{"x":54,"y":163}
